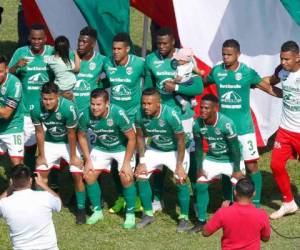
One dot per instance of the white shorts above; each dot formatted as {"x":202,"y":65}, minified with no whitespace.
{"x":29,"y":132}
{"x":213,"y":170}
{"x":156,"y":159}
{"x":13,"y":144}
{"x":188,"y":130}
{"x":53,"y":154}
{"x":249,"y":147}
{"x":102,"y":160}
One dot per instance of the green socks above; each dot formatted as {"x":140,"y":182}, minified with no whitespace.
{"x":130,"y":197}
{"x":94,"y":194}
{"x":145,"y":194}
{"x":80,"y":198}
{"x":183,"y":195}
{"x":257,"y":180}
{"x":202,"y":198}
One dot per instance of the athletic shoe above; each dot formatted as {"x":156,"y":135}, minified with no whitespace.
{"x":80,"y":217}
{"x":118,"y":206}
{"x":183,"y":226}
{"x":129,"y":221}
{"x":146,"y":220}
{"x":157,"y":206}
{"x":286,"y":208}
{"x":138,"y":205}
{"x":96,"y":216}
{"x":197,"y":228}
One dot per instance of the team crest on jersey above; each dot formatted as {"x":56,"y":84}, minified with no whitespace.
{"x":3,"y":90}
{"x":58,"y":116}
{"x":203,"y":131}
{"x":238,"y":76}
{"x":174,"y":64}
{"x":129,"y":70}
{"x":161,"y":123}
{"x":109,"y":122}
{"x":217,"y":131}
{"x":92,"y":65}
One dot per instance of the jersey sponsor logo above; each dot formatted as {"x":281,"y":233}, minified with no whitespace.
{"x":217,"y":131}
{"x":277,"y":145}
{"x":39,"y":77}
{"x":231,"y":100}
{"x":92,"y":65}
{"x":121,"y":93}
{"x":109,"y":122}
{"x":112,"y":70}
{"x":129,"y":70}
{"x":44,"y":115}
{"x":57,"y":131}
{"x":58,"y":116}
{"x":162,"y":140}
{"x":82,"y":85}
{"x":85,"y":75}
{"x":165,"y":73}
{"x":118,"y":79}
{"x":228,"y":86}
{"x":161,"y":123}
{"x":238,"y":76}
{"x":109,"y":140}
{"x":35,"y":68}
{"x":157,"y":63}
{"x":222,"y":75}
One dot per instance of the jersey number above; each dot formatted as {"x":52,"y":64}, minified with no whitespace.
{"x":250,"y":145}
{"x":17,"y":140}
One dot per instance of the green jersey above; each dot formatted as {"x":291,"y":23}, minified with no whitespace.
{"x":87,"y":79}
{"x":234,"y":94}
{"x":218,"y":137}
{"x":10,"y":95}
{"x":109,"y":130}
{"x":126,"y":83}
{"x":57,"y":122}
{"x":158,"y":70}
{"x":33,"y":75}
{"x":161,"y":129}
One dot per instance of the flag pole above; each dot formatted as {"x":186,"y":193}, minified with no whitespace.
{"x":145,"y":35}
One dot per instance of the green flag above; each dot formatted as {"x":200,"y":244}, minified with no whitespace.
{"x":108,"y":17}
{"x":293,"y":7}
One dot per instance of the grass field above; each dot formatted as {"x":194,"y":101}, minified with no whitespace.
{"x":109,"y":234}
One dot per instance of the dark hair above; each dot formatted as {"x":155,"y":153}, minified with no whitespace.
{"x":122,"y":37}
{"x":165,"y":31}
{"x":290,"y":46}
{"x":211,"y":98}
{"x":62,"y":47}
{"x":88,"y":31}
{"x":245,"y":187}
{"x":232,"y":43}
{"x":38,"y":26}
{"x":20,"y":175}
{"x":3,"y":60}
{"x":150,"y":91}
{"x":96,"y":93}
{"x":49,"y":88}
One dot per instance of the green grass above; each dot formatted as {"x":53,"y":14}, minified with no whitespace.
{"x":109,"y":234}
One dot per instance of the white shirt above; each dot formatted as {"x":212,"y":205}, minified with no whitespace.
{"x":28,"y":214}
{"x":185,"y":71}
{"x":290,"y":118}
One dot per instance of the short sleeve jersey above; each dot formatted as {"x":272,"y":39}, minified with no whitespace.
{"x":10,"y":95}
{"x":109,"y":131}
{"x":57,"y":122}
{"x":162,"y":69}
{"x":217,"y":137}
{"x":87,"y":79}
{"x":34,"y":74}
{"x":161,"y":129}
{"x":126,"y":83}
{"x":234,"y":94}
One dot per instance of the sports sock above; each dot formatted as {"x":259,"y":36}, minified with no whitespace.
{"x":145,"y":194}
{"x":202,"y":197}
{"x":130,"y":197}
{"x":80,"y":199}
{"x":183,"y":194}
{"x":94,"y":194}
{"x":257,"y":180}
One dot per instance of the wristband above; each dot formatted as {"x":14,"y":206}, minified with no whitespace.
{"x":142,"y":160}
{"x":176,"y":87}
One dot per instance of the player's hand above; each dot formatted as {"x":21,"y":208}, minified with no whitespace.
{"x":41,"y":160}
{"x":201,"y":173}
{"x":40,"y":182}
{"x":75,"y":161}
{"x":180,"y":173}
{"x":22,"y":62}
{"x":169,"y":86}
{"x":141,"y":170}
{"x":237,"y":175}
{"x":88,"y":166}
{"x":126,"y":171}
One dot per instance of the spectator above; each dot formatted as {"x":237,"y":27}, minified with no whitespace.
{"x":243,"y":225}
{"x":28,"y":213}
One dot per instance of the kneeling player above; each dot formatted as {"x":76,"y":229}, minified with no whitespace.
{"x":115,"y":140}
{"x":59,"y":116}
{"x":164,"y":128}
{"x":223,"y":156}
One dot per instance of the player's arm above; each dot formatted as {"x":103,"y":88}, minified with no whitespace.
{"x":40,"y":141}
{"x":84,"y":146}
{"x":270,"y":89}
{"x":6,"y":112}
{"x":213,"y":225}
{"x":149,"y":79}
{"x":16,"y":62}
{"x":180,"y":149}
{"x":141,"y":147}
{"x":196,"y":88}
{"x":273,"y":79}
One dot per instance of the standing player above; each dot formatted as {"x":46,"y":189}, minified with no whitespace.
{"x":223,"y":156}
{"x":162,"y":125}
{"x":234,"y":81}
{"x":59,"y":116}
{"x":11,"y":115}
{"x":115,"y":140}
{"x":91,"y":66}
{"x":28,"y":64}
{"x":287,"y":141}
{"x":124,"y":73}
{"x":160,"y":73}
